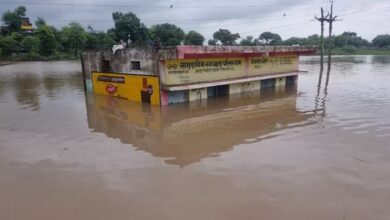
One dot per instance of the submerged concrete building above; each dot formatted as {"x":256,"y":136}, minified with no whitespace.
{"x":188,"y":73}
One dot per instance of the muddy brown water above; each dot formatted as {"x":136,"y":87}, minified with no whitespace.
{"x":280,"y":154}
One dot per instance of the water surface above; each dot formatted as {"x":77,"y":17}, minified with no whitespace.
{"x":295,"y":153}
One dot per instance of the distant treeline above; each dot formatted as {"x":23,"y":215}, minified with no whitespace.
{"x":46,"y":42}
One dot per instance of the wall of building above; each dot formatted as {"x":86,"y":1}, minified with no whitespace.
{"x":197,"y":94}
{"x":188,"y":71}
{"x":123,"y":61}
{"x":280,"y":81}
{"x":189,"y":51}
{"x":244,"y":87}
{"x":199,"y":66}
{"x":279,"y":84}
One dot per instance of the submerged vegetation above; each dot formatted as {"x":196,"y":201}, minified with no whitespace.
{"x":20,"y":41}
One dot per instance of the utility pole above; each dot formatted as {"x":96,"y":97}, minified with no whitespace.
{"x":322,"y":19}
{"x":330,"y":21}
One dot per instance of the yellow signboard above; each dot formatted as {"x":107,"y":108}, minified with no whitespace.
{"x":138,"y":88}
{"x":185,"y":71}
{"x":270,"y":65}
{"x":202,"y":70}
{"x":26,"y":27}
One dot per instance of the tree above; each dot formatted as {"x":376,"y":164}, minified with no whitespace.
{"x":381,"y":41}
{"x":350,"y":39}
{"x":167,"y":34}
{"x":31,"y":45}
{"x":9,"y":44}
{"x":295,"y":41}
{"x":14,"y":19}
{"x":47,"y":40}
{"x":225,"y":37}
{"x":74,"y":37}
{"x":105,"y":40}
{"x":193,"y":38}
{"x":213,"y":42}
{"x":249,"y":41}
{"x":40,"y":22}
{"x":313,"y":40}
{"x":270,"y":38}
{"x":349,"y":34}
{"x":98,"y":40}
{"x":129,"y":27}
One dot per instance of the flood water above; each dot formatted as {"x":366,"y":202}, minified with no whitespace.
{"x":282,"y":154}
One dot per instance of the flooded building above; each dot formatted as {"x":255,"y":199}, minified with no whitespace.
{"x":188,"y":73}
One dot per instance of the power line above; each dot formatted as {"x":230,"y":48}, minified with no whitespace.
{"x":283,"y":27}
{"x":369,"y":11}
{"x":168,"y":6}
{"x":268,"y":17}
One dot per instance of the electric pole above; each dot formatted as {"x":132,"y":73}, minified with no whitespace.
{"x":322,"y":19}
{"x":330,"y":20}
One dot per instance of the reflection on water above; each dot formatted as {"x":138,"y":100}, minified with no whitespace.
{"x":2,"y":87}
{"x":185,"y":134}
{"x":347,"y":60}
{"x":380,"y":59}
{"x":25,"y":80}
{"x":27,"y":93}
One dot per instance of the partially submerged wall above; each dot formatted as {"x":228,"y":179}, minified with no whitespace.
{"x":188,"y":71}
{"x":131,"y":60}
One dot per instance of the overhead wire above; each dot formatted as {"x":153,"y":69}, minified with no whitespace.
{"x":146,"y":6}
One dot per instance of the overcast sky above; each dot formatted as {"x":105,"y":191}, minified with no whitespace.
{"x":247,"y":17}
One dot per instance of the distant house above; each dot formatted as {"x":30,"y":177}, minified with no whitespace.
{"x":26,"y":26}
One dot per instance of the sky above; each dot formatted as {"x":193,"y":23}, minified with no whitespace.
{"x":288,"y":18}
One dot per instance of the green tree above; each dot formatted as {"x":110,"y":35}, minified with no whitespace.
{"x":73,"y":37}
{"x":270,"y":38}
{"x":105,"y":40}
{"x":40,"y":22}
{"x":350,"y":39}
{"x":167,"y":34}
{"x":313,"y":40}
{"x":47,"y":39}
{"x":31,"y":45}
{"x":9,"y":44}
{"x":295,"y":41}
{"x":99,"y":40}
{"x":249,"y":41}
{"x":225,"y":37}
{"x":13,"y":19}
{"x":129,"y":27}
{"x":193,"y":38}
{"x":213,"y":42}
{"x":381,"y":41}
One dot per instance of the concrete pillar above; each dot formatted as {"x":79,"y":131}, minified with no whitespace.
{"x":280,"y":81}
{"x":164,"y":97}
{"x":197,"y":94}
{"x":244,"y":87}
